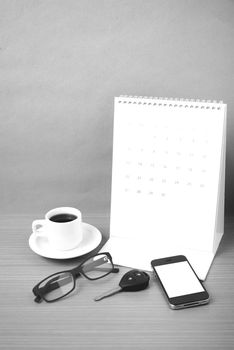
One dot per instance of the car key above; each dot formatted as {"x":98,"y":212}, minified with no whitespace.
{"x":132,"y":281}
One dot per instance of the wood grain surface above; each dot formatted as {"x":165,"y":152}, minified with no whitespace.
{"x":140,"y":320}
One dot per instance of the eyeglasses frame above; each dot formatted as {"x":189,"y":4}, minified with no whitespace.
{"x":75,"y":272}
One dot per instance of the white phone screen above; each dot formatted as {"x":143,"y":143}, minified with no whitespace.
{"x":178,"y":279}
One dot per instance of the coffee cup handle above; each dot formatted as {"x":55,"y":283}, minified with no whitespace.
{"x":37,"y":227}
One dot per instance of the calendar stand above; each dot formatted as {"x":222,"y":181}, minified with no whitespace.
{"x":167,"y":181}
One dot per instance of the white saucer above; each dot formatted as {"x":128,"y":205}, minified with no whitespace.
{"x":91,"y":239}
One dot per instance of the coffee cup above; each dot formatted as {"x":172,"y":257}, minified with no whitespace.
{"x":62,"y":227}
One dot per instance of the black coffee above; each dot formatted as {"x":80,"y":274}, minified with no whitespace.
{"x":63,"y":217}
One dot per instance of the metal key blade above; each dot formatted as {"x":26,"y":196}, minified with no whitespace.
{"x":109,"y":293}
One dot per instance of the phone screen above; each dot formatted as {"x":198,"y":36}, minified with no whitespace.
{"x":178,"y":279}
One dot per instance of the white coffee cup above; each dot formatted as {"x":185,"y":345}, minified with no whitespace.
{"x":61,"y":226}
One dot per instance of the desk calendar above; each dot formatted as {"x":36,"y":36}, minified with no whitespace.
{"x":167,"y":180}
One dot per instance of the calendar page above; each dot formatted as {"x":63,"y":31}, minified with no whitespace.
{"x":166,"y":175}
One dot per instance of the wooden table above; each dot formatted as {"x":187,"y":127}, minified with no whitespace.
{"x":125,"y":321}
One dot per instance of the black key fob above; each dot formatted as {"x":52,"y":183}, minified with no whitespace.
{"x":134,"y":280}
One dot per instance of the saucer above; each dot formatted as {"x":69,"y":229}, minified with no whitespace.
{"x":91,"y":239}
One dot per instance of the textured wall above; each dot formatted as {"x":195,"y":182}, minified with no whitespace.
{"x":61,"y":64}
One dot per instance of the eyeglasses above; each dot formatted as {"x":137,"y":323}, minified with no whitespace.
{"x":60,"y":284}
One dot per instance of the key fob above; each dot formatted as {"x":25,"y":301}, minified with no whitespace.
{"x":134,"y":280}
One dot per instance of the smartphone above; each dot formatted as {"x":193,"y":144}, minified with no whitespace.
{"x":179,"y":282}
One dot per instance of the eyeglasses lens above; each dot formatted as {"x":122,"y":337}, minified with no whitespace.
{"x":56,"y":286}
{"x":97,"y":266}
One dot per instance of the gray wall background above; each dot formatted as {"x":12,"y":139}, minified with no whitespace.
{"x":62,"y":63}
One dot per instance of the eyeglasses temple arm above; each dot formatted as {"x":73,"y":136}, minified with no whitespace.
{"x":115,"y":270}
{"x":93,"y":265}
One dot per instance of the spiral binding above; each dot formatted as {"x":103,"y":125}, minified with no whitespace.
{"x":170,"y":102}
